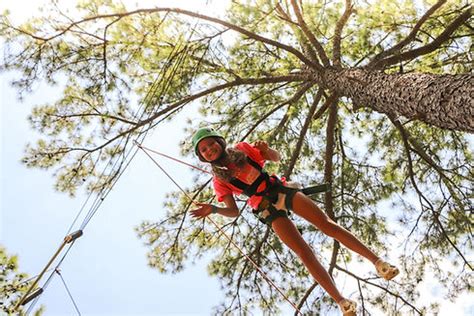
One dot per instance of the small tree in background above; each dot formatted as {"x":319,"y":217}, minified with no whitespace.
{"x":13,"y":285}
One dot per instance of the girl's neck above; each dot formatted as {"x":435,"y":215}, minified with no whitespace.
{"x":232,"y":158}
{"x":222,"y":161}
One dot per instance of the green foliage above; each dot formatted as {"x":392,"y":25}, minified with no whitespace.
{"x":13,"y":285}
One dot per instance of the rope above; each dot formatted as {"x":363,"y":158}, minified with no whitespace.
{"x":166,"y":173}
{"x":225,"y":234}
{"x":172,"y":158}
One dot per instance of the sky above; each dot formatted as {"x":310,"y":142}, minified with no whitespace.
{"x":106,"y":270}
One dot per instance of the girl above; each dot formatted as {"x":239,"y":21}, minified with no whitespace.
{"x":239,"y":170}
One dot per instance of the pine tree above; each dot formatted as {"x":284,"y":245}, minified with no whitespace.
{"x":375,"y":98}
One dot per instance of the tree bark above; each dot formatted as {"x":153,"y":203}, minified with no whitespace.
{"x":442,"y":100}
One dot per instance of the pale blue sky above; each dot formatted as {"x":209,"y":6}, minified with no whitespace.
{"x":106,"y":269}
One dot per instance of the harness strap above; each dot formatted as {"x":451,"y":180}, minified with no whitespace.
{"x":267,"y":212}
{"x":274,"y":214}
{"x":251,"y":189}
{"x":254,"y":163}
{"x":316,"y":189}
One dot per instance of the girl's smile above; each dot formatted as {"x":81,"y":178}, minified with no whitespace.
{"x":210,"y":149}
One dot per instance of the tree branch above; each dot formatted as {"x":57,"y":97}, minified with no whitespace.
{"x":380,"y":287}
{"x":336,"y":58}
{"x":416,"y":147}
{"x":436,"y":214}
{"x":319,"y":48}
{"x":328,"y":165}
{"x":428,"y":48}
{"x":237,"y":82}
{"x":410,"y":37}
{"x":231,"y":26}
{"x":293,"y":99}
{"x":307,"y":123}
{"x":329,"y":100}
{"x":305,"y":296}
{"x":307,"y":49}
{"x":236,"y":114}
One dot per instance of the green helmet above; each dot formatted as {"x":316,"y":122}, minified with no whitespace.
{"x":202,"y":133}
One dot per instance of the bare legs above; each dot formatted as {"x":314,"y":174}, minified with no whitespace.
{"x":289,"y":234}
{"x":306,"y":208}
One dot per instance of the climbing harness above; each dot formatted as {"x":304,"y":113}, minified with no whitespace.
{"x":277,"y":198}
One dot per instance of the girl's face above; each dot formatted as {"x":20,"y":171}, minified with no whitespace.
{"x":209,"y":149}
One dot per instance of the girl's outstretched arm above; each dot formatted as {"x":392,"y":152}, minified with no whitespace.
{"x":231,"y":209}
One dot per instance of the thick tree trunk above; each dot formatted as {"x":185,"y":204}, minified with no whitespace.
{"x":445,"y":101}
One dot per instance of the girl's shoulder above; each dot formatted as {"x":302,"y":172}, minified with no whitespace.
{"x":251,"y":151}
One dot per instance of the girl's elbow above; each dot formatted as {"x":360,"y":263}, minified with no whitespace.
{"x":275,"y":156}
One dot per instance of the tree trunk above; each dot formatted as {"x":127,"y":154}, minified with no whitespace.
{"x":445,"y":101}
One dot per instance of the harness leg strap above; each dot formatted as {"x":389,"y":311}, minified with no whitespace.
{"x":270,"y":213}
{"x":289,"y":195}
{"x":274,"y":214}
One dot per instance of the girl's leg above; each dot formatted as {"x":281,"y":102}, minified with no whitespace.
{"x":306,"y":208}
{"x":289,"y":234}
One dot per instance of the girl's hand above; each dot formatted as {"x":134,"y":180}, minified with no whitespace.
{"x":266,"y":152}
{"x":262,"y":146}
{"x":203,"y":210}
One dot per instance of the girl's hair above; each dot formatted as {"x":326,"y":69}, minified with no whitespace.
{"x":233,"y":156}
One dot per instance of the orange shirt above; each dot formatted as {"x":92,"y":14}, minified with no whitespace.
{"x":246,"y":174}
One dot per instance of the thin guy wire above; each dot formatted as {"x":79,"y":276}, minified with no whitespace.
{"x":148,"y":98}
{"x":151,"y":93}
{"x":68,"y":292}
{"x":97,"y":203}
{"x":45,"y":285}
